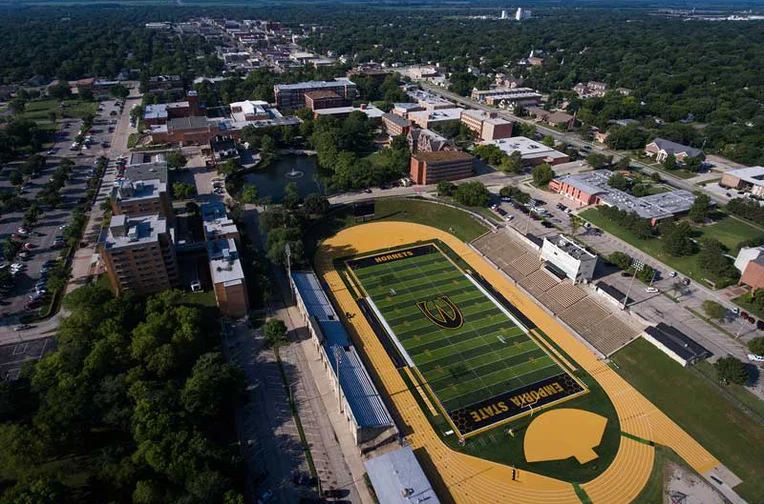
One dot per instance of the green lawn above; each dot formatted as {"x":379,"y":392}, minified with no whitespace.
{"x":699,"y":407}
{"x":726,"y":229}
{"x":749,"y":307}
{"x":38,"y":110}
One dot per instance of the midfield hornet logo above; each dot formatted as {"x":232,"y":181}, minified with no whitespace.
{"x":442,"y":312}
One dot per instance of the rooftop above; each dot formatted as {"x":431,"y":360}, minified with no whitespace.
{"x":216,"y":220}
{"x":225,"y":264}
{"x":655,"y":206}
{"x":127,"y":231}
{"x":430,"y":157}
{"x":155,"y":111}
{"x":446,"y":114}
{"x":338,"y":81}
{"x":678,"y":342}
{"x":570,"y":247}
{"x":248,"y":108}
{"x":149,"y":170}
{"x":129,"y":190}
{"x":366,"y":405}
{"x":370,"y":110}
{"x":396,"y":120}
{"x":321,"y":94}
{"x":529,"y":149}
{"x":407,"y":106}
{"x":675,"y":148}
{"x":191,"y":122}
{"x":753,"y":175}
{"x":398,"y":478}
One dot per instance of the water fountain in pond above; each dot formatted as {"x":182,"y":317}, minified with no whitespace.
{"x":294,"y":174}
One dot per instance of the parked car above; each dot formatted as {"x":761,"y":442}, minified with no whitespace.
{"x":22,"y":231}
{"x":651,"y":290}
{"x":686,"y":281}
{"x":21,"y":327}
{"x":266,"y":497}
{"x":756,"y":358}
{"x":33,"y":304}
{"x":672,"y":274}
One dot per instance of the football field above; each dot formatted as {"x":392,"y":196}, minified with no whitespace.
{"x":470,"y":351}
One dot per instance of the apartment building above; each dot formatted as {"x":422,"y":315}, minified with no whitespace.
{"x":292,"y":96}
{"x":432,"y":167}
{"x":142,"y":197}
{"x":488,"y":126}
{"x":395,"y":125}
{"x":139,"y":255}
{"x":228,"y":280}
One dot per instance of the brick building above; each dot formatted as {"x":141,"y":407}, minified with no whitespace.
{"x":488,"y":126}
{"x":292,"y":96}
{"x":323,"y":99}
{"x":395,"y":125}
{"x":142,"y":197}
{"x":139,"y":255}
{"x":432,"y":167}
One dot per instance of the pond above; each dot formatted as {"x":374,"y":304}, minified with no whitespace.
{"x":302,"y":170}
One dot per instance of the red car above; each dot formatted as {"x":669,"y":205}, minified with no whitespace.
{"x":28,"y":246}
{"x":33,"y":304}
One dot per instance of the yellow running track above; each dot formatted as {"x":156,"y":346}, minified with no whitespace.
{"x":472,"y":480}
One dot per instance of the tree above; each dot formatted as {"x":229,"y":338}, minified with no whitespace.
{"x":620,"y":260}
{"x":623,"y":164}
{"x":17,"y":105}
{"x":316,"y":204}
{"x":548,"y":140}
{"x":267,"y":146}
{"x":249,"y":194}
{"x":176,"y":160}
{"x":229,"y":167}
{"x":85,"y":93}
{"x":670,"y":162}
{"x":693,"y":164}
{"x":60,"y":90}
{"x":183,"y":190}
{"x":291,"y":199}
{"x":515,"y":194}
{"x":700,"y":207}
{"x":275,"y":332}
{"x":713,"y":260}
{"x":678,"y":288}
{"x":446,"y":188}
{"x":597,"y":160}
{"x":714,"y":310}
{"x":10,"y":248}
{"x":542,"y":174}
{"x":472,"y":194}
{"x":575,"y":223}
{"x":676,"y":239}
{"x":756,"y":345}
{"x":119,"y":91}
{"x":618,"y":181}
{"x":15,"y":178}
{"x":513,"y":164}
{"x":731,"y":370}
{"x":212,"y":386}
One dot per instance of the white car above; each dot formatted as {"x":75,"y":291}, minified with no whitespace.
{"x":756,"y":358}
{"x":651,"y":290}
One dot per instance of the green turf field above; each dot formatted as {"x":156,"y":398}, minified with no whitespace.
{"x":480,"y":365}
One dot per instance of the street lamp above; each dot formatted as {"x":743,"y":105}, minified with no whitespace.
{"x":638,"y":266}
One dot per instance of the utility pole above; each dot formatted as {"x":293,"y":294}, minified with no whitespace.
{"x":339,"y":388}
{"x":637,"y":265}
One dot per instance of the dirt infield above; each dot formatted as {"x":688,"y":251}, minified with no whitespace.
{"x":548,"y":436}
{"x":466,"y":478}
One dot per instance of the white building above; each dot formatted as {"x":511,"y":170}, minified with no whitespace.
{"x":532,"y":152}
{"x":569,"y":257}
{"x":746,"y":255}
{"x":522,"y":15}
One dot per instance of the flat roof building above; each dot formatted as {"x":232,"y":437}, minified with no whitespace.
{"x":592,"y":188}
{"x":292,"y":96}
{"x":373,"y":113}
{"x":139,"y":254}
{"x":569,"y":257}
{"x":403,"y":109}
{"x":398,"y":478}
{"x":323,"y":99}
{"x":427,"y":100}
{"x":531,"y":151}
{"x":745,"y":179}
{"x":432,"y":167}
{"x":228,"y":279}
{"x":428,"y":118}
{"x":360,"y":402}
{"x":216,"y":222}
{"x":488,"y":126}
{"x":675,"y":344}
{"x":141,"y":197}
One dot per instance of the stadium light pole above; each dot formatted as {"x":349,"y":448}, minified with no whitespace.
{"x":637,"y":265}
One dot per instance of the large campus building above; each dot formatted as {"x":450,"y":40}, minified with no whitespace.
{"x":292,"y":96}
{"x":592,"y":188}
{"x":532,"y":152}
{"x":745,"y":179}
{"x":136,"y":198}
{"x":432,"y":167}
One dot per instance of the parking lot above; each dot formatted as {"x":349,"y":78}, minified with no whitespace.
{"x":42,"y":237}
{"x":13,"y":356}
